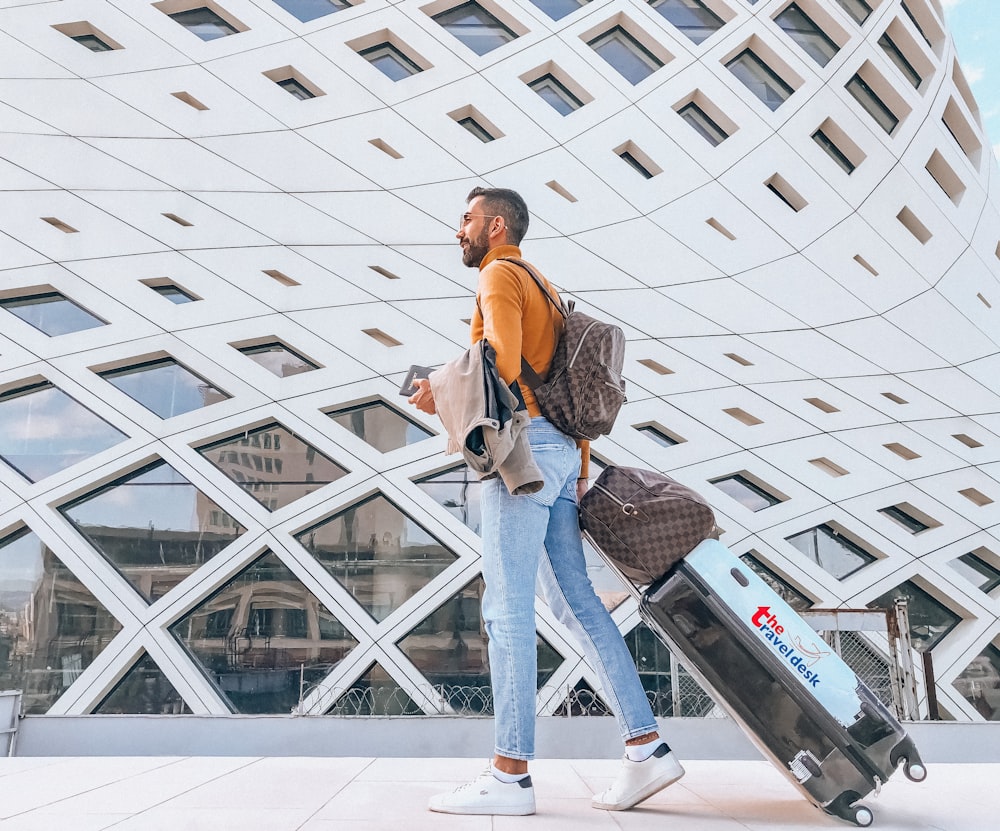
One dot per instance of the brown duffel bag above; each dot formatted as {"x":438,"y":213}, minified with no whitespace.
{"x":644,"y":521}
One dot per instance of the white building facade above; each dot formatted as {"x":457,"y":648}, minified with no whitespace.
{"x":228,"y":229}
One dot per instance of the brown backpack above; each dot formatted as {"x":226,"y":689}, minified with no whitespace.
{"x":584,"y":389}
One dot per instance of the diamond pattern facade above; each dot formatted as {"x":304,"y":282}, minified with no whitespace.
{"x":791,"y":208}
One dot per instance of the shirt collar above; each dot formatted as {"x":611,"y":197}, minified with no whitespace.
{"x":498,"y":252}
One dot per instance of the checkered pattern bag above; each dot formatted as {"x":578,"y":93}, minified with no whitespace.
{"x":643,"y":521}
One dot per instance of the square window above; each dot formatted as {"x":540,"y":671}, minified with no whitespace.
{"x":390,"y":61}
{"x":904,"y":518}
{"x":977,"y":571}
{"x":803,"y":30}
{"x":979,"y":683}
{"x":857,"y":9}
{"x":306,"y":10}
{"x":278,"y":358}
{"x":555,"y":94}
{"x":293,"y":87}
{"x":703,"y":124}
{"x":660,"y":436}
{"x":51,"y":313}
{"x":381,"y":426}
{"x":749,"y":494}
{"x":165,"y":387}
{"x":634,"y":163}
{"x":930,"y":620}
{"x":633,"y":61}
{"x":477,"y":129}
{"x":899,"y":59}
{"x":44,"y":431}
{"x":831,"y":149}
{"x":558,"y":9}
{"x":831,"y":550}
{"x":872,"y":104}
{"x":86,"y":34}
{"x":785,"y":590}
{"x":204,"y":23}
{"x":760,"y":79}
{"x":173,"y":293}
{"x":475,"y":27}
{"x":93,"y":43}
{"x":692,"y":17}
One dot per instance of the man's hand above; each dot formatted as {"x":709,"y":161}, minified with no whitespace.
{"x":423,"y":398}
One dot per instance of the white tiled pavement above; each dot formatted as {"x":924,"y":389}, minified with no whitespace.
{"x":328,"y":794}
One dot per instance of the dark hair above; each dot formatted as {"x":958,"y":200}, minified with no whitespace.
{"x":509,"y":205}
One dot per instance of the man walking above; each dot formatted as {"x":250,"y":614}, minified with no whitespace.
{"x":538,"y":534}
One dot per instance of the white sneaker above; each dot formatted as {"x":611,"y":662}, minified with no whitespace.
{"x":640,"y":780}
{"x":487,"y":795}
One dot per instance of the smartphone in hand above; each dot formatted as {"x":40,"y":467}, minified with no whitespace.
{"x":409,"y":387}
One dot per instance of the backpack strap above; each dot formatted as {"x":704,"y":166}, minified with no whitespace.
{"x":528,"y":374}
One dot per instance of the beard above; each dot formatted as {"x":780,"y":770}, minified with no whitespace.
{"x":478,"y":248}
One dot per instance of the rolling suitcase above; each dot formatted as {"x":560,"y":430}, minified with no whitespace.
{"x":802,"y":706}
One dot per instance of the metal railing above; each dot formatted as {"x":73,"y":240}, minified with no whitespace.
{"x":10,"y":716}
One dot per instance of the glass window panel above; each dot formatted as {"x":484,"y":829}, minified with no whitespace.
{"x":635,"y":164}
{"x":375,"y":693}
{"x":803,"y":30}
{"x":477,"y":129}
{"x":44,"y":431}
{"x":857,"y":9}
{"x":378,"y":553}
{"x":261,"y":635}
{"x":204,"y":23}
{"x":380,"y":425}
{"x":306,"y":10}
{"x":154,"y":526}
{"x":705,"y":126}
{"x":692,"y":17}
{"x":390,"y":61}
{"x":456,"y":489}
{"x":979,"y":683}
{"x":558,"y":9}
{"x":175,"y":294}
{"x":272,"y":464}
{"x":785,"y":590}
{"x":449,"y":648}
{"x":652,"y":660}
{"x":760,"y":79}
{"x":583,"y":701}
{"x":871,"y":103}
{"x":51,"y":626}
{"x":898,"y":58}
{"x":51,"y":313}
{"x":930,"y":620}
{"x":824,"y":141}
{"x":831,"y":550}
{"x":750,"y":496}
{"x":977,"y":571}
{"x":910,"y":523}
{"x":92,"y":42}
{"x":279,"y":359}
{"x":475,"y":27}
{"x":165,"y":387}
{"x":293,"y":87}
{"x":144,"y":690}
{"x":633,"y":61}
{"x":658,"y":436}
{"x":916,"y":24}
{"x":555,"y":94}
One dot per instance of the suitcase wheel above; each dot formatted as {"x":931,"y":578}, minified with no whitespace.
{"x":863,"y":816}
{"x":845,"y":807}
{"x":915,"y":772}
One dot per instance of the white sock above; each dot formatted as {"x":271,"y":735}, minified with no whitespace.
{"x":641,"y":752}
{"x":507,"y":778}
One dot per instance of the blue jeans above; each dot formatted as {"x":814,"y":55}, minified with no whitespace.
{"x":539,"y":534}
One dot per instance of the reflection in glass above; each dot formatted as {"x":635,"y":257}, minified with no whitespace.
{"x":632,"y":60}
{"x":751,"y":496}
{"x":378,"y":553}
{"x":382,"y":426}
{"x":979,"y":683}
{"x":977,"y":571}
{"x":375,"y":693}
{"x":51,"y":626}
{"x":785,"y":590}
{"x":205,"y":23}
{"x":803,"y":30}
{"x":263,"y":638}
{"x":175,"y":294}
{"x":692,"y":17}
{"x":388,"y":60}
{"x":558,"y":9}
{"x":154,"y":526}
{"x":930,"y":620}
{"x":278,"y":358}
{"x":583,"y":701}
{"x":652,"y":660}
{"x":703,"y":124}
{"x":872,"y":104}
{"x":760,"y":79}
{"x":272,"y":464}
{"x":555,"y":93}
{"x":831,"y":550}
{"x":165,"y":387}
{"x":659,"y":436}
{"x":306,"y":10}
{"x":475,"y":27}
{"x":450,"y":648}
{"x":44,"y":431}
{"x":51,"y":313}
{"x":144,"y":690}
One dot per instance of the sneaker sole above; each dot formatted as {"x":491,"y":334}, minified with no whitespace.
{"x":653,"y":787}
{"x":485,"y":810}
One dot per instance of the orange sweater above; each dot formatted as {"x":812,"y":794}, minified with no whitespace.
{"x":517,"y":319}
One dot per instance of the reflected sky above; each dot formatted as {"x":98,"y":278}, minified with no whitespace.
{"x":165,"y":387}
{"x":51,"y":313}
